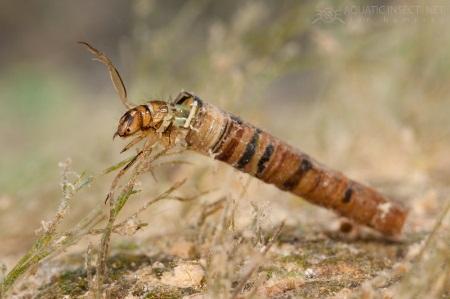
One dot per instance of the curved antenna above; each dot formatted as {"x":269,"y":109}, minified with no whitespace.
{"x":117,"y":81}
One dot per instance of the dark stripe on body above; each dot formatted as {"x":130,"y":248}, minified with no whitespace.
{"x":262,"y":163}
{"x":294,"y":179}
{"x":250,"y":150}
{"x":277,"y":162}
{"x":348,"y":195}
{"x":230,"y":146}
{"x":223,"y":135}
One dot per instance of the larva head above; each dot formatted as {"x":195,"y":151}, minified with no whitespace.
{"x":142,"y":117}
{"x":130,"y":123}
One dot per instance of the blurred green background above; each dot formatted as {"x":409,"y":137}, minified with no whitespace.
{"x":361,"y":85}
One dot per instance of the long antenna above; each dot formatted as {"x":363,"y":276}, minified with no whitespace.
{"x":117,"y":81}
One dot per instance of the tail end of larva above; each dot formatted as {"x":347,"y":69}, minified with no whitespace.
{"x":390,"y":218}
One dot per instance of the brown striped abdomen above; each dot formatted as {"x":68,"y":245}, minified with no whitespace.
{"x":227,"y":138}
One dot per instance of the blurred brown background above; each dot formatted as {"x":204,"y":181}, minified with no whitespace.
{"x":361,"y":85}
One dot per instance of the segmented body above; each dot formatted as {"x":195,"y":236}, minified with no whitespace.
{"x":227,"y":138}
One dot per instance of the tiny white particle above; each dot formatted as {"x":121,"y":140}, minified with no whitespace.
{"x":384,"y":208}
{"x":310,"y":273}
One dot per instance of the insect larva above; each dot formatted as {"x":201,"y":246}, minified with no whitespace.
{"x":208,"y":130}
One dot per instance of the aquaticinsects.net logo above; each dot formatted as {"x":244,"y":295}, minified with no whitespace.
{"x":386,"y":13}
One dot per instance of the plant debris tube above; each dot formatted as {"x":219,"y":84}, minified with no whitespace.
{"x":227,"y":138}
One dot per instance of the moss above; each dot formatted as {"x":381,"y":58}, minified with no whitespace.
{"x":164,"y":293}
{"x":74,"y":282}
{"x":300,"y":260}
{"x":69,"y":283}
{"x":335,"y":265}
{"x":158,"y":272}
{"x":123,"y":262}
{"x":323,"y":288}
{"x":272,"y":270}
{"x":128,"y":246}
